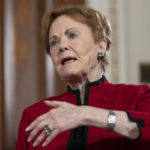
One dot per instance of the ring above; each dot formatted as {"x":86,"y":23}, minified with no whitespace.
{"x":47,"y":131}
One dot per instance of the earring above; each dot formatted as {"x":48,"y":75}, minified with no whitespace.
{"x":100,"y":56}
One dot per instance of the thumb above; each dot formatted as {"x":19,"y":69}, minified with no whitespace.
{"x":52,"y":103}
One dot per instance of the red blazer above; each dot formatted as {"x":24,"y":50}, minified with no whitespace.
{"x":134,"y":99}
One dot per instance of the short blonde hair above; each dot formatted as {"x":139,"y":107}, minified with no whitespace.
{"x":97,"y":22}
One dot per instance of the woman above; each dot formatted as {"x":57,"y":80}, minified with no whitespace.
{"x":92,"y":114}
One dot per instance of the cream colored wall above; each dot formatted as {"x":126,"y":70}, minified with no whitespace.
{"x":132,"y":37}
{"x":137,"y":20}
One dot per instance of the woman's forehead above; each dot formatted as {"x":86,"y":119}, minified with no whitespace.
{"x":66,"y":19}
{"x":65,"y":22}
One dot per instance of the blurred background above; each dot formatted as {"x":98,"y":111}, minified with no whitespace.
{"x":26,"y":72}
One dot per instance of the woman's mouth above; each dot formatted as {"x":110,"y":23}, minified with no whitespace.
{"x":68,"y":60}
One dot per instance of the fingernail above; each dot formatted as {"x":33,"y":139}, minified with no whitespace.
{"x":27,"y":129}
{"x":29,"y":139}
{"x":44,"y":144}
{"x":34,"y":144}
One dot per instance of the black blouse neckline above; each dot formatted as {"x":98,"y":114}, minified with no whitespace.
{"x":78,"y":136}
{"x":88,"y":84}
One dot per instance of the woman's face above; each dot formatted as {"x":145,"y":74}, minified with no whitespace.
{"x":72,"y":48}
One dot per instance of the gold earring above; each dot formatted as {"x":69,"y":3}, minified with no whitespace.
{"x":100,"y":56}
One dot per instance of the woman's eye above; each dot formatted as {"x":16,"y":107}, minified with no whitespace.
{"x":53,"y":43}
{"x":72,"y":35}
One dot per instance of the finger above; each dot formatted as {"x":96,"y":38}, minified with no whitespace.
{"x":36,"y":130}
{"x":53,"y":103}
{"x":50,"y":138}
{"x":32,"y":134}
{"x":33,"y":124}
{"x":39,"y":139}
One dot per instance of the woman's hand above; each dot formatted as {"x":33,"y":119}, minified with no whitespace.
{"x":62,"y":117}
{"x":65,"y":116}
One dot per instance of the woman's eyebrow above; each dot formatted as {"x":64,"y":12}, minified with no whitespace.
{"x":53,"y":37}
{"x":68,"y":30}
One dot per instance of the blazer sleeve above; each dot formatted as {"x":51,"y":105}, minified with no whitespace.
{"x":141,"y":115}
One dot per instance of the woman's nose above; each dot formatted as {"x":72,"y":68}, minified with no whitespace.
{"x":63,"y":46}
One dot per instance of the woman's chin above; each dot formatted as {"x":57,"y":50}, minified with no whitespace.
{"x":69,"y":75}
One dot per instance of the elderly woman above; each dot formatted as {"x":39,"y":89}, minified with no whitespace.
{"x":92,"y":114}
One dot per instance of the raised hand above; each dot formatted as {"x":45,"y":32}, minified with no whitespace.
{"x":62,"y":117}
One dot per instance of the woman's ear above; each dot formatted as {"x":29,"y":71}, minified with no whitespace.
{"x":103,"y":45}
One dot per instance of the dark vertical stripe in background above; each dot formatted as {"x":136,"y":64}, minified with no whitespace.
{"x":2,"y":114}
